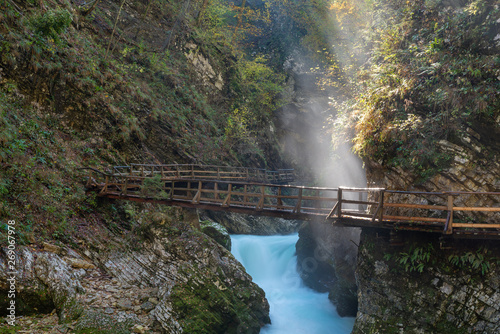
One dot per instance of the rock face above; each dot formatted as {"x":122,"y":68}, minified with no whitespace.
{"x":217,"y":232}
{"x":326,"y":257}
{"x":171,"y":279}
{"x":245,"y":224}
{"x":441,"y":293}
{"x":475,"y":168}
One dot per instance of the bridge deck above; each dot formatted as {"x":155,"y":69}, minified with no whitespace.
{"x":241,"y":192}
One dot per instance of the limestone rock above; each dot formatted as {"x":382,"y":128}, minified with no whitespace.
{"x":437,"y":300}
{"x":216,"y":232}
{"x":76,"y":263}
{"x":245,"y":224}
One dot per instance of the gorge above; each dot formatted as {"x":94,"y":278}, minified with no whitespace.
{"x":394,"y":94}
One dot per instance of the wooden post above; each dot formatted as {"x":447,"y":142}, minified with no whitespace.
{"x":280,"y":201}
{"x":162,"y":172}
{"x":216,"y":192}
{"x":381,"y":206}
{"x":142,"y":170}
{"x":172,"y":191}
{"x":299,"y":202}
{"x":245,"y":197}
{"x":317,"y":203}
{"x":124,"y":190}
{"x":196,"y":199}
{"x":192,"y":171}
{"x":260,"y":205}
{"x":339,"y":202}
{"x":227,"y":200}
{"x":449,"y":218}
{"x":218,"y":173}
{"x":105,"y":188}
{"x":360,"y":198}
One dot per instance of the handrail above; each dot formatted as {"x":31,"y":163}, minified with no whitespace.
{"x":199,"y":171}
{"x":377,"y":207}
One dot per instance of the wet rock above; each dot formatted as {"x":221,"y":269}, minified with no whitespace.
{"x":245,"y":224}
{"x":326,"y":260}
{"x":217,"y":232}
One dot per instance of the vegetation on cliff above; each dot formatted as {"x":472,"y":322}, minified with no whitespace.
{"x":114,"y":83}
{"x":431,"y":75}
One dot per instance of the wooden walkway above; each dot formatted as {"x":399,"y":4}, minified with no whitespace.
{"x":260,"y":192}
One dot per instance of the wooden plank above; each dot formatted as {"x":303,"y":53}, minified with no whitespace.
{"x":416,"y":219}
{"x":348,"y":201}
{"x":473,"y":225}
{"x":415,"y":206}
{"x":461,"y":208}
{"x":351,"y":189}
{"x":211,"y":200}
{"x":356,"y":214}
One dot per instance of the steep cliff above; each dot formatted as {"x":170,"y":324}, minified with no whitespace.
{"x":164,"y":277}
{"x":422,"y":285}
{"x":326,"y":261}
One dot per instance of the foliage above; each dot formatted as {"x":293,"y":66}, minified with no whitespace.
{"x":416,"y":258}
{"x":431,"y":75}
{"x":154,"y":187}
{"x":481,"y":259}
{"x":50,"y":23}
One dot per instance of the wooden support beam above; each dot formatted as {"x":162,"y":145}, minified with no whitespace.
{"x":330,"y":215}
{"x":381,"y":204}
{"x":227,"y":200}
{"x":196,"y":199}
{"x":105,"y":188}
{"x":279,"y":204}
{"x":449,"y":218}
{"x":299,"y":202}
{"x":125,"y":188}
{"x":339,"y":202}
{"x":260,"y":205}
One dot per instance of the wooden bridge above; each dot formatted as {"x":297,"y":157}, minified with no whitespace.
{"x":261,"y":192}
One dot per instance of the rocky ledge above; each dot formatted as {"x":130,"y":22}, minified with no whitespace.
{"x":166,"y":277}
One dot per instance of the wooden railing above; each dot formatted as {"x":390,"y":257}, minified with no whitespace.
{"x":206,"y":172}
{"x":368,"y":207}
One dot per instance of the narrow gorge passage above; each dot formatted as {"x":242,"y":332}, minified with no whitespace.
{"x":295,"y":308}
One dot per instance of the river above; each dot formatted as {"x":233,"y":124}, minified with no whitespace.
{"x":294,"y":308}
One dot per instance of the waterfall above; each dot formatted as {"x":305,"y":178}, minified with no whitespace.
{"x":294,"y":308}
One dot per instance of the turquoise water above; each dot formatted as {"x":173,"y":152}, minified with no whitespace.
{"x":294,"y":308}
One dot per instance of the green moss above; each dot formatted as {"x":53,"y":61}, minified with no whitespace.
{"x":205,"y":305}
